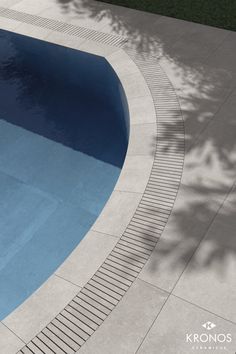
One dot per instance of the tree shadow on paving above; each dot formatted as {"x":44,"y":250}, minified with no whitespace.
{"x":208,"y":109}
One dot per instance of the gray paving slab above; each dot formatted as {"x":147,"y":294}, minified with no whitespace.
{"x":125,"y":21}
{"x":128,"y":323}
{"x":142,"y":140}
{"x":78,"y":15}
{"x":225,"y":55}
{"x":44,"y":304}
{"x":197,"y":43}
{"x":206,"y":185}
{"x":192,"y":215}
{"x":97,"y":48}
{"x":142,"y":110}
{"x":30,"y":7}
{"x":167,"y":27}
{"x":178,"y":319}
{"x":231,"y":198}
{"x":209,"y":280}
{"x":135,"y":174}
{"x":8,"y":3}
{"x":32,"y":31}
{"x":202,"y":89}
{"x":210,"y":163}
{"x":135,"y":85}
{"x":65,"y":40}
{"x":146,"y":32}
{"x":8,"y":25}
{"x":56,"y":12}
{"x":83,"y":19}
{"x":222,"y":128}
{"x":121,"y":63}
{"x":119,"y":210}
{"x":84,"y":261}
{"x":9,"y":342}
{"x":197,"y":115}
{"x":197,"y":78}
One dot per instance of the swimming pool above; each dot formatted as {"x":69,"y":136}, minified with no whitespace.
{"x":63,"y":138}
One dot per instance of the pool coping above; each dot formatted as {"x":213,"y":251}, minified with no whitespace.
{"x":133,"y":71}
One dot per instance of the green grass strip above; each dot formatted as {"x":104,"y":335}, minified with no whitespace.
{"x":218,"y":13}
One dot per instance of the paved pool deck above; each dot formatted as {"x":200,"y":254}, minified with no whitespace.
{"x":171,"y":70}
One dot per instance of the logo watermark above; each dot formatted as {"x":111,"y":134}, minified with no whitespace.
{"x":209,"y":325}
{"x":209,"y":340}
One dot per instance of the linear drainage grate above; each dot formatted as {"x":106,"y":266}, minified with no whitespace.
{"x":75,"y":324}
{"x":63,"y":27}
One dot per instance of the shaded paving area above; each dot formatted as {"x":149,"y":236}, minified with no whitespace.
{"x":199,"y":61}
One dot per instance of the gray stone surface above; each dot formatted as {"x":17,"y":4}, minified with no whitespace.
{"x":224,"y":56}
{"x":65,"y":40}
{"x":201,"y":89}
{"x":9,"y":342}
{"x":198,"y":42}
{"x":43,"y":305}
{"x":84,"y":261}
{"x":178,"y":318}
{"x":8,"y":25}
{"x":32,"y":31}
{"x":122,"y":64}
{"x":97,"y":48}
{"x":210,"y":163}
{"x":135,"y":174}
{"x":117,"y":213}
{"x":124,"y":329}
{"x":208,"y":281}
{"x":135,"y":85}
{"x":142,"y":140}
{"x":192,"y":215}
{"x":8,"y":3}
{"x":56,"y":11}
{"x":74,"y":13}
{"x":30,"y":7}
{"x":142,"y":110}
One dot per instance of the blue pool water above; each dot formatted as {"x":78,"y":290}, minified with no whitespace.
{"x":63,"y":139}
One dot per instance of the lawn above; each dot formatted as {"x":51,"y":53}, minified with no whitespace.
{"x":218,"y":13}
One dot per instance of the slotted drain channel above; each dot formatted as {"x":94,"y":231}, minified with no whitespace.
{"x":63,"y":27}
{"x":74,"y":325}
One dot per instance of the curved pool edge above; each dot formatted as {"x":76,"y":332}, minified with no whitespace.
{"x":130,"y":77}
{"x":39,"y":309}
